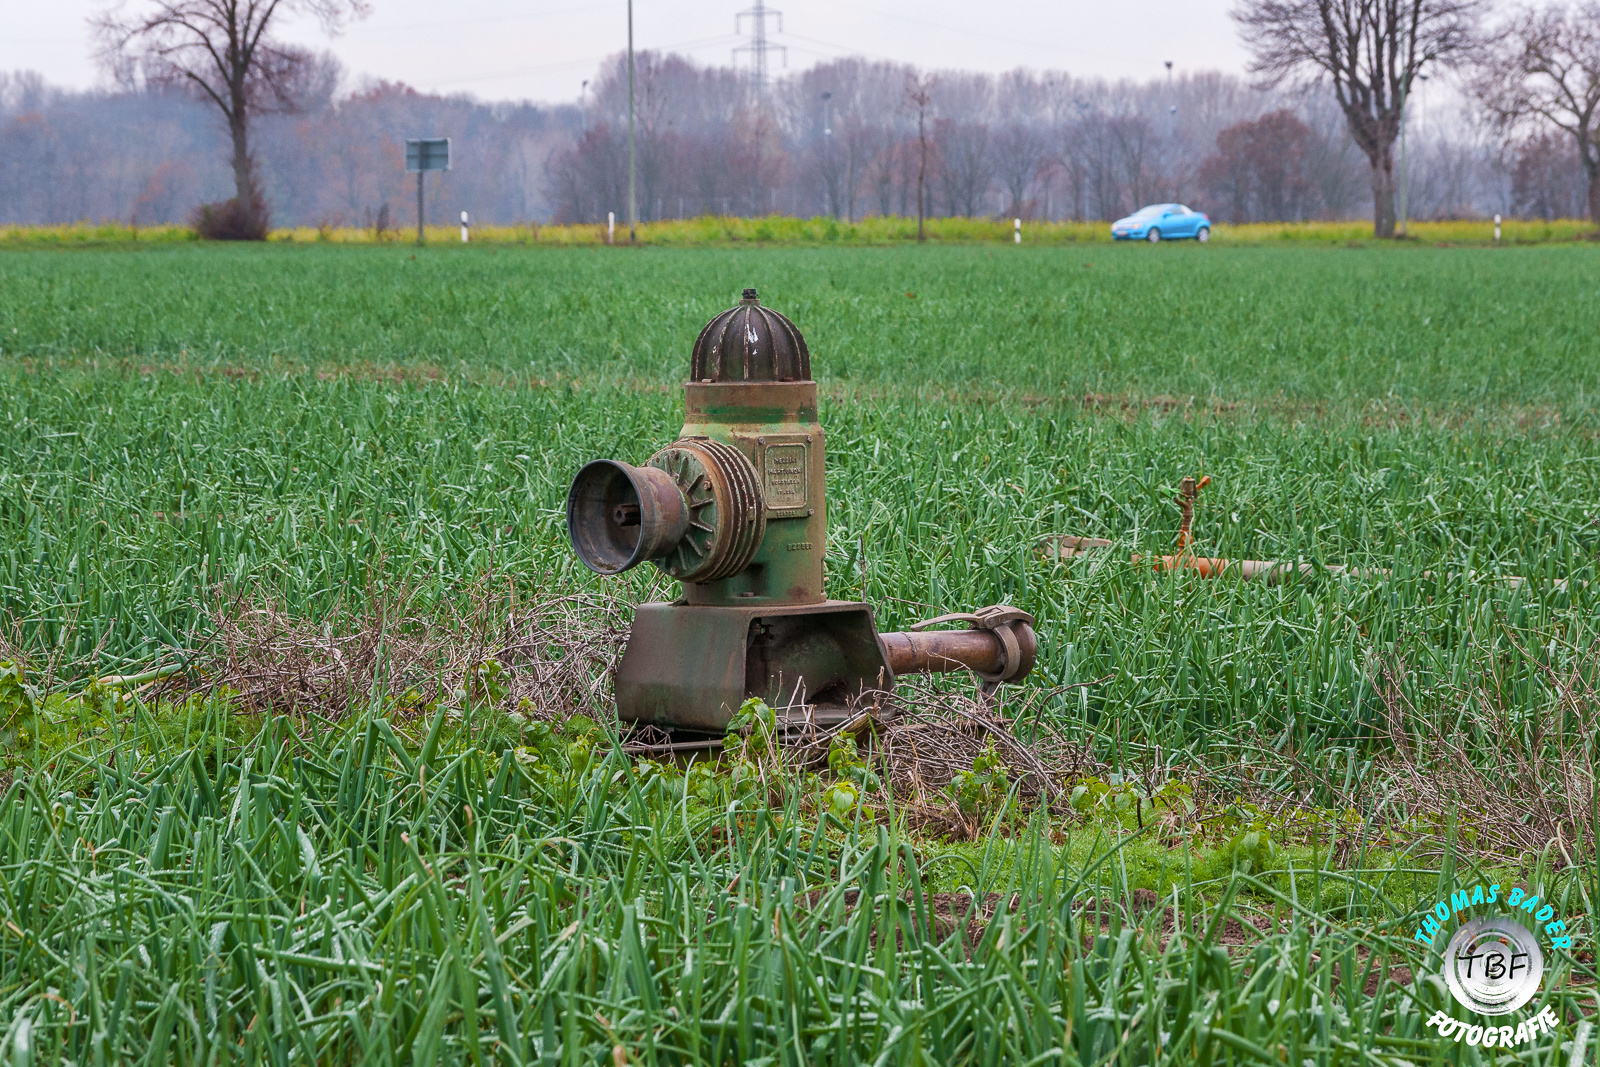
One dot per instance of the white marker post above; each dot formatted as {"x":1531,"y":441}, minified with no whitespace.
{"x":463,"y":227}
{"x":1497,"y":229}
{"x":1017,"y":224}
{"x":611,"y":227}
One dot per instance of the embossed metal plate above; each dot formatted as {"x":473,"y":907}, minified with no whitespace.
{"x":785,"y":464}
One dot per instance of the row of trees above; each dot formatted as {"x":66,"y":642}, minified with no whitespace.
{"x":1314,"y":135}
{"x":849,"y":138}
{"x":843,"y":139}
{"x":152,"y":154}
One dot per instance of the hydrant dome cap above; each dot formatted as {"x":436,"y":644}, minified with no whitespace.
{"x":750,"y":343}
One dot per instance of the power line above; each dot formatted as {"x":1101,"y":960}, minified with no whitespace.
{"x":364,"y":29}
{"x":759,"y":46}
{"x":542,"y":67}
{"x":846,"y":49}
{"x":969,"y":31}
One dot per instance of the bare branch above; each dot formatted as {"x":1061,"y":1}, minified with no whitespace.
{"x":1543,"y":70}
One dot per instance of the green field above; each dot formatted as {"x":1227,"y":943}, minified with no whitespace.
{"x":438,"y":868}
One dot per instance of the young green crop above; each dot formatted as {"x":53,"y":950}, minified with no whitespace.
{"x":1282,"y":329}
{"x":353,"y":895}
{"x":308,"y":457}
{"x":321,"y":426}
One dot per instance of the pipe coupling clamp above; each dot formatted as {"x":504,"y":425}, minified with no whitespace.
{"x":1012,"y":628}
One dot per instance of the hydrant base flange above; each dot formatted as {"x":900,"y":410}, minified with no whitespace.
{"x":691,"y":667}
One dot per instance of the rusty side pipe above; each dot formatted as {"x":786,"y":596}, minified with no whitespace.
{"x":937,"y":651}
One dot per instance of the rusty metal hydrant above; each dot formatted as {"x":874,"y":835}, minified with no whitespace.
{"x":735,"y":510}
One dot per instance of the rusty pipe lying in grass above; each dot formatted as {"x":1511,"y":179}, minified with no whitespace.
{"x":1273,"y":572}
{"x":1270,"y":571}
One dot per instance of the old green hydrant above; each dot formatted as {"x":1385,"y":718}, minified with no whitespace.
{"x":735,"y":510}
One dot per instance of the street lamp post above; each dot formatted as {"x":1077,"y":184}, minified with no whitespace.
{"x":827,"y":153}
{"x":1405,"y":167}
{"x":633,"y":211}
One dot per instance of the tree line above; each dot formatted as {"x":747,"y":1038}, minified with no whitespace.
{"x":150,"y":155}
{"x":842,"y":139}
{"x":1333,"y":122}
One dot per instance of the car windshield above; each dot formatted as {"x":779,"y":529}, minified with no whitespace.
{"x":1147,"y":212}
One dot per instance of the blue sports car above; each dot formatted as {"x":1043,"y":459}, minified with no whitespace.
{"x":1162,"y":222}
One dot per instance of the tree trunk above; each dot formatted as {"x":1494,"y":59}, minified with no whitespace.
{"x":242,"y":183}
{"x":922,"y":170}
{"x":1383,"y":194}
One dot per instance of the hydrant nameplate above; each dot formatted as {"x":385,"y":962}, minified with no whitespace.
{"x":784,"y":474}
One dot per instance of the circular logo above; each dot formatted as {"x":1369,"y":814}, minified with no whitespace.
{"x":1493,"y":966}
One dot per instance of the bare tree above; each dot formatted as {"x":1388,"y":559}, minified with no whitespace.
{"x":1371,"y":51}
{"x":964,"y":172}
{"x":1092,"y":148}
{"x":1018,"y":151}
{"x":1135,"y":141}
{"x":1543,"y":69}
{"x":830,"y":167}
{"x":918,"y":93}
{"x":1544,"y":179}
{"x":860,"y":145}
{"x":224,"y":50}
{"x":1336,"y":164}
{"x":1259,"y":170}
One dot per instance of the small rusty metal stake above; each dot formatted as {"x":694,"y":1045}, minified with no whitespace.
{"x":1188,"y":492}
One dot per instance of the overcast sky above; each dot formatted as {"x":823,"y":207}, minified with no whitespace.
{"x":544,"y":49}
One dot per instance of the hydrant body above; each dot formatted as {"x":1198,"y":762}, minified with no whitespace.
{"x":774,"y":426}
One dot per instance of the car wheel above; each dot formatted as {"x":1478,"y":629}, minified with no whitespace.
{"x":1204,"y":235}
{"x":1154,"y":236}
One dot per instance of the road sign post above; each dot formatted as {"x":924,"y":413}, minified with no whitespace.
{"x":422,"y":155}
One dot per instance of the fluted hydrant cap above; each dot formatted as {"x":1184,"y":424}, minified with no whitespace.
{"x":750,"y":343}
